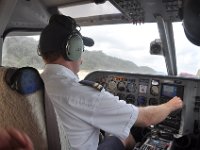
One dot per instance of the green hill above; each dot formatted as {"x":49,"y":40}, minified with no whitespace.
{"x":97,"y":60}
{"x":22,"y":51}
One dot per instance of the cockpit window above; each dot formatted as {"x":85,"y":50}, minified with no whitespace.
{"x":188,"y":54}
{"x":21,"y":51}
{"x":122,"y":48}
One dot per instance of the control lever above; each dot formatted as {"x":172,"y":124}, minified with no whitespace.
{"x":158,"y":140}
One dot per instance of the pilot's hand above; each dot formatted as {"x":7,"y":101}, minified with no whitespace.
{"x":175,"y":103}
{"x":12,"y":139}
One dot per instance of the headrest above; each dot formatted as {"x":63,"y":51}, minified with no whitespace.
{"x":25,"y":80}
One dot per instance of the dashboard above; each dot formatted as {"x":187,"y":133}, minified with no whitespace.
{"x":144,"y":90}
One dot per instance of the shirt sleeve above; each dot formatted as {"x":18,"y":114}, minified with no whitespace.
{"x":113,"y":115}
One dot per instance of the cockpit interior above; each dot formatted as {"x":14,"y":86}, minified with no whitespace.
{"x":181,"y":129}
{"x":145,"y":90}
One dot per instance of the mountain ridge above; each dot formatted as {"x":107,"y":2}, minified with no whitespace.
{"x":16,"y":47}
{"x":97,"y":60}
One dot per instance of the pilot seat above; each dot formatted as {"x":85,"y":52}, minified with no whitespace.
{"x":23,"y":106}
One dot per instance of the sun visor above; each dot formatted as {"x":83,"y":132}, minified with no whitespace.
{"x":191,"y":20}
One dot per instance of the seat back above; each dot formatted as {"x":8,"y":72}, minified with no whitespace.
{"x":22,"y":106}
{"x":24,"y":112}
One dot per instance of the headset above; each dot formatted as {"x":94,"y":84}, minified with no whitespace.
{"x":73,"y":45}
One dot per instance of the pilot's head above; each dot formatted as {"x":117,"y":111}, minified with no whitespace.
{"x":62,"y":39}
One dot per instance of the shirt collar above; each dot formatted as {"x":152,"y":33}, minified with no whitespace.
{"x":62,"y":70}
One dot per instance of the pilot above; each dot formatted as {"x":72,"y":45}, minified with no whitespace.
{"x":84,"y":109}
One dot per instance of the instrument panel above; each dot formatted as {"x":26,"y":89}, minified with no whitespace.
{"x":144,"y":90}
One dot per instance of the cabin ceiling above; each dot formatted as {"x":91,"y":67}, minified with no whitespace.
{"x":34,"y":14}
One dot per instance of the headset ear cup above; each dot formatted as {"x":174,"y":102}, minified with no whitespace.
{"x":74,"y":47}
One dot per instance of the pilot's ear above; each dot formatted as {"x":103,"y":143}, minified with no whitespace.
{"x":191,"y":20}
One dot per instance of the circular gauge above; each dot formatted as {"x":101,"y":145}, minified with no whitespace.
{"x":153,"y":101}
{"x":121,"y":86}
{"x":130,"y":98}
{"x":121,"y":96}
{"x":154,"y":90}
{"x":112,"y":85}
{"x":141,"y":101}
{"x":131,"y":87}
{"x":155,"y":82}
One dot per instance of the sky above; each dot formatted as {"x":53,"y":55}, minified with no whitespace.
{"x":132,"y":42}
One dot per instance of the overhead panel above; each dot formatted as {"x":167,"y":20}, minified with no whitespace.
{"x":132,"y":9}
{"x":140,"y":11}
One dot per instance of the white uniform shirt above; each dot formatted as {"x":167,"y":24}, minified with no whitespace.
{"x":84,"y":110}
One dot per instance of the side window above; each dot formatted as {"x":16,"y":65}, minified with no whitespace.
{"x":20,"y":51}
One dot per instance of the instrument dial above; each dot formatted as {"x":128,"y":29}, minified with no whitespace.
{"x":141,"y":101}
{"x":130,"y":98}
{"x":112,"y":85}
{"x":154,"y":90}
{"x":121,"y":96}
{"x":131,"y":87}
{"x":121,"y":86}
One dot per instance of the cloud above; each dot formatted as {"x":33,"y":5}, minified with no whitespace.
{"x":132,"y":43}
{"x":122,"y":37}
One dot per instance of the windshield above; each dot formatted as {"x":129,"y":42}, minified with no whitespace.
{"x":187,"y":53}
{"x":132,"y":43}
{"x":128,"y":42}
{"x":122,"y":47}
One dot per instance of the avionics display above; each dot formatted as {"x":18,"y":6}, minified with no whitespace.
{"x":169,"y":90}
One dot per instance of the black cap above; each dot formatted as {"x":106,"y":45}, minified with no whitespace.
{"x":56,"y":33}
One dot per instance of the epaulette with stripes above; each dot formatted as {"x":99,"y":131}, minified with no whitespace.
{"x":92,"y":84}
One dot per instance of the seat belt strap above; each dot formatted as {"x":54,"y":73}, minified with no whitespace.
{"x":53,"y":137}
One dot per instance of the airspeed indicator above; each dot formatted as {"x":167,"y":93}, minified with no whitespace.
{"x":131,"y":87}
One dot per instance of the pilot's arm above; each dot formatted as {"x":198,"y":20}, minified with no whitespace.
{"x":152,"y":115}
